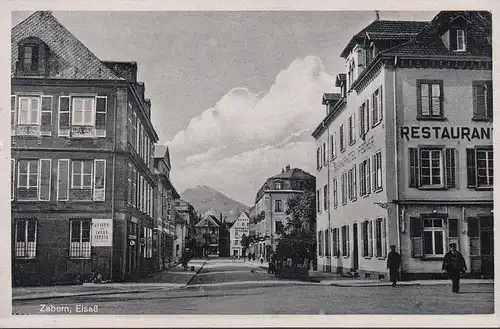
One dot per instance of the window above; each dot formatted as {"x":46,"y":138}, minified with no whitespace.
{"x":80,"y":238}
{"x":352,"y":130}
{"x":29,"y":110}
{"x":364,"y":177}
{"x":278,"y":206}
{"x":25,"y":238}
{"x":376,"y":112}
{"x":364,"y":238}
{"x":325,"y":197}
{"x":46,"y":116}
{"x":320,"y":243}
{"x":279,"y":227}
{"x":433,"y":237}
{"x":324,"y":153}
{"x":457,"y":39}
{"x":64,"y":116}
{"x":99,"y":179}
{"x":318,"y":201}
{"x":342,"y":140}
{"x":29,"y":57}
{"x":100,"y":116}
{"x":318,"y":158}
{"x":345,"y":241}
{"x":129,"y":185}
{"x":333,"y":146}
{"x":377,"y":171}
{"x":351,"y":72}
{"x":344,"y":188}
{"x":45,"y":180}
{"x":480,"y":167}
{"x":352,"y":184}
{"x":277,"y":185}
{"x":147,"y":251}
{"x":134,"y":130}
{"x":83,"y":111}
{"x":28,"y":179}
{"x":483,"y":100}
{"x":335,"y":242}
{"x":335,"y":193}
{"x":364,"y":119}
{"x":427,"y":167}
{"x":430,"y":99}
{"x":327,"y":243}
{"x":82,"y":174}
{"x":380,"y":238}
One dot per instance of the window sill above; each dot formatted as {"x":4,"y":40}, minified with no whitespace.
{"x":25,"y":258}
{"x":432,"y":188}
{"x":482,"y":119}
{"x":79,"y":258}
{"x":364,"y":196}
{"x":378,"y":190}
{"x":481,"y":188}
{"x":352,"y":143}
{"x":432,"y":258}
{"x":424,"y":118}
{"x":381,"y":258}
{"x":376,"y":124}
{"x":367,"y":257}
{"x":333,"y":158}
{"x":342,"y":150}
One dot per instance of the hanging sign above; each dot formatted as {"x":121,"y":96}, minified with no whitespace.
{"x":102,"y":232}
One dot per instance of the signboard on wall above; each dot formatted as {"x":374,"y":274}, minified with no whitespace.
{"x":102,"y":232}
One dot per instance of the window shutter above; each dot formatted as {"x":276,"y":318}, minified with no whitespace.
{"x":12,"y":178}
{"x":380,"y":104}
{"x":480,"y":100}
{"x":414,"y":167}
{"x":473,"y":234}
{"x":373,"y":166}
{"x":353,"y":127}
{"x":471,"y":167}
{"x":99,"y":180}
{"x":46,"y":116}
{"x":64,"y":116}
{"x":384,"y":237}
{"x":63,"y":180}
{"x":489,"y":100}
{"x":100,"y":116}
{"x":361,"y":123}
{"x":45,"y":175}
{"x":13,"y":115}
{"x":370,"y":239}
{"x":453,"y":39}
{"x":369,"y":170}
{"x":363,"y":228}
{"x":450,"y":168}
{"x":453,"y":235}
{"x":417,"y":242}
{"x":367,"y":118}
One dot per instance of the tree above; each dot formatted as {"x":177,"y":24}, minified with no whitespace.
{"x":244,"y":244}
{"x":298,"y":238}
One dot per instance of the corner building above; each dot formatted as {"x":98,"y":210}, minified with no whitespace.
{"x":405,"y":155}
{"x":82,"y":161}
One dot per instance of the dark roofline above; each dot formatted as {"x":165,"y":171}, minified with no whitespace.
{"x":322,"y":125}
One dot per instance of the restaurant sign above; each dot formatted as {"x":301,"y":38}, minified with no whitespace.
{"x":102,"y":232}
{"x":465,"y":133}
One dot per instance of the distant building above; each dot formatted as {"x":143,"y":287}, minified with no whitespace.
{"x":405,"y":155}
{"x":237,"y":230}
{"x":270,"y":206}
{"x":208,"y":230}
{"x":165,"y":197}
{"x":185,"y":218}
{"x":82,"y":160}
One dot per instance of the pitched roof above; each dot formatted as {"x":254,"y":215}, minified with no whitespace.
{"x":74,"y":60}
{"x":211,"y":219}
{"x":330,"y":98}
{"x":295,"y":172}
{"x":379,"y":28}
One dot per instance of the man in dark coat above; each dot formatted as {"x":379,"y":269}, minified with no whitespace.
{"x":393,"y":263}
{"x":453,"y":265}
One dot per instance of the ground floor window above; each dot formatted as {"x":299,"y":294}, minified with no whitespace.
{"x":25,"y":237}
{"x":345,"y":241}
{"x":80,"y":238}
{"x":335,"y":242}
{"x":428,"y":237}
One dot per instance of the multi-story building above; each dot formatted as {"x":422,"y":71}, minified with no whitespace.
{"x":236,"y":231}
{"x":270,"y":205}
{"x":208,"y":229}
{"x":82,"y":160}
{"x":165,"y":197}
{"x":405,"y":155}
{"x":185,"y":217}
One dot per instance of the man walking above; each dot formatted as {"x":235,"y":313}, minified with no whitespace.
{"x":393,"y":263}
{"x":453,"y":265}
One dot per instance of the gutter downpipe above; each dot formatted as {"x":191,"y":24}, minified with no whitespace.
{"x":113,"y":188}
{"x":396,"y":167}
{"x":329,"y":263}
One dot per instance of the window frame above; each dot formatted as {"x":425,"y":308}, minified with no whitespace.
{"x":83,"y":98}
{"x":26,"y":248}
{"x":84,"y":248}
{"x":442,"y":169}
{"x":431,"y":115}
{"x":28,"y":174}
{"x":82,"y":174}
{"x":278,"y":206}
{"x":488,"y":112}
{"x":487,"y":152}
{"x":433,"y":229}
{"x":335,"y":193}
{"x":30,"y":110}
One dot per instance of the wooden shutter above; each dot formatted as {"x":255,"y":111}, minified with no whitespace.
{"x":384,"y":237}
{"x":12,"y":178}
{"x":363,"y":239}
{"x":373,"y":167}
{"x":13,"y":114}
{"x":361,"y":123}
{"x":417,"y":242}
{"x":370,"y":171}
{"x":46,"y":116}
{"x":367,"y":121}
{"x":45,"y":175}
{"x":453,"y":234}
{"x":99,"y":180}
{"x":100,"y":116}
{"x":64,"y":116}
{"x":380,"y":104}
{"x":450,"y":168}
{"x":473,"y":234}
{"x":453,"y":39}
{"x":471,"y":167}
{"x":414,"y":167}
{"x":370,"y":239}
{"x":63,"y":180}
{"x":489,"y":100}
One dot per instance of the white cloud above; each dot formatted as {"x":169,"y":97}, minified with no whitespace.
{"x":247,"y":137}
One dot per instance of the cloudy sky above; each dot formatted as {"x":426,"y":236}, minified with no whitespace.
{"x":235,"y":95}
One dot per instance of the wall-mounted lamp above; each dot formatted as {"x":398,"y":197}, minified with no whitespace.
{"x":434,"y":211}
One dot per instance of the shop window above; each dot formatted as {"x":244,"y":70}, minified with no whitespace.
{"x":80,"y":238}
{"x":429,"y":99}
{"x":480,"y":168}
{"x":25,"y":238}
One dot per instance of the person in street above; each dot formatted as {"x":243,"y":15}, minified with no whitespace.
{"x":185,"y":260}
{"x":393,"y":263}
{"x":454,"y":265}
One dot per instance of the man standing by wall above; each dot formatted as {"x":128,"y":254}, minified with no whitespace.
{"x":393,"y":263}
{"x":453,"y":265}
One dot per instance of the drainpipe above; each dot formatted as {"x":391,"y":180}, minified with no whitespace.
{"x":329,"y":263}
{"x":396,"y":167}
{"x":113,"y":187}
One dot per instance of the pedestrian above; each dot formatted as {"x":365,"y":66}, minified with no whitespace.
{"x":393,"y":263}
{"x":454,"y":265}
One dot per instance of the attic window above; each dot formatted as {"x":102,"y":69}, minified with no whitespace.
{"x":278,"y":185}
{"x":32,"y":57}
{"x":457,"y":39}
{"x":29,"y":55}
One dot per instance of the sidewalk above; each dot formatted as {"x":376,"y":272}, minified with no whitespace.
{"x":174,"y":277}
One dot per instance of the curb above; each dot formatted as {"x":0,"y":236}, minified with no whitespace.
{"x":191,"y":279}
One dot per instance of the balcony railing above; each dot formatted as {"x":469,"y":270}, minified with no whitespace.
{"x":82,"y":131}
{"x":28,"y":130}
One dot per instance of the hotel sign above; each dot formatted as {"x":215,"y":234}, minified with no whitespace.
{"x":464,"y":133}
{"x":102,"y":232}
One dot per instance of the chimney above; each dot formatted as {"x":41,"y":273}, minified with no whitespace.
{"x":287,"y":167}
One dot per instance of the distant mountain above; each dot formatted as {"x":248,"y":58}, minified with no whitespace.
{"x":207,"y":200}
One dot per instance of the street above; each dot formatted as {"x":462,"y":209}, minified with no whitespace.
{"x":226,"y":287}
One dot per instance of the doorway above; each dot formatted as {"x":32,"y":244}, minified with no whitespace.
{"x":355,"y":258}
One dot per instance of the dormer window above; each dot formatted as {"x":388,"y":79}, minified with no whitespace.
{"x":278,"y":185}
{"x":457,"y":39}
{"x":32,"y":59}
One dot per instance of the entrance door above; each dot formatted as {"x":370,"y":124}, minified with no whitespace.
{"x":355,"y":259}
{"x":486,"y":245}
